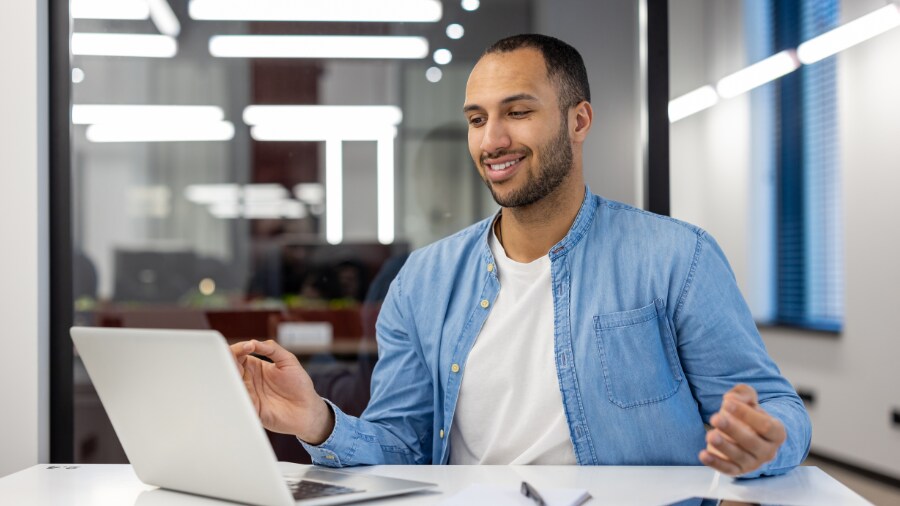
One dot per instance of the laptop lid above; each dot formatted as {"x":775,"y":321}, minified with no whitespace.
{"x":182,"y":413}
{"x":186,"y":423}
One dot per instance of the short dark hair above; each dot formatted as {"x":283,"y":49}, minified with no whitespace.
{"x":565,"y":67}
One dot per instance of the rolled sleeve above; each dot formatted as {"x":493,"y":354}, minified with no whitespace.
{"x":340,"y":441}
{"x":720,"y":347}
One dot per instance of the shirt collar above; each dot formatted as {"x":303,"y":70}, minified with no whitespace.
{"x":582,"y":222}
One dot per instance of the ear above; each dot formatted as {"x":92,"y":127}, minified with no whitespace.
{"x":581,"y":117}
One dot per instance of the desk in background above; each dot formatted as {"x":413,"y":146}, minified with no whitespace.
{"x":117,"y":485}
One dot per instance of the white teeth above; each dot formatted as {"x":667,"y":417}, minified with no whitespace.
{"x":501,"y":166}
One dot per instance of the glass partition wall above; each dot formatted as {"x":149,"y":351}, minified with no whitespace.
{"x":262,"y":168}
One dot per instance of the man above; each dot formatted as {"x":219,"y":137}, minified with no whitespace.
{"x":567,"y":329}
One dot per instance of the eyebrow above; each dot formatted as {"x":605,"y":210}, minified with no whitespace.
{"x":512,"y":98}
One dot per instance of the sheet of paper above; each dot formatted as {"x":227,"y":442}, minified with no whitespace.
{"x":507,"y":495}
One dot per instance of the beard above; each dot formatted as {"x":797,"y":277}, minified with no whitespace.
{"x":554,"y":164}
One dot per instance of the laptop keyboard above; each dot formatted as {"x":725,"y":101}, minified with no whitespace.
{"x":304,"y":489}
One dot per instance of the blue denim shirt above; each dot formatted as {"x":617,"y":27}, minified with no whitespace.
{"x":650,"y":331}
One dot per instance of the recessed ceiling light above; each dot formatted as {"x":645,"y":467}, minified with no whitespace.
{"x":470,"y":5}
{"x":455,"y":31}
{"x":433,"y":74}
{"x":443,"y":56}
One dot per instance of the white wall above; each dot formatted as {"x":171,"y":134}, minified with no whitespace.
{"x":24,"y":229}
{"x":606,"y":34}
{"x":854,"y":376}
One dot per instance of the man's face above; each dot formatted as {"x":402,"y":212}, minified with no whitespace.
{"x":518,"y":137}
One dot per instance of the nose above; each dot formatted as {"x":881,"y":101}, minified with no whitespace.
{"x":495,"y":137}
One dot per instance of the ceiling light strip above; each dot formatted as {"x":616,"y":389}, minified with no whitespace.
{"x":329,"y":114}
{"x":89,"y":114}
{"x":318,"y":46}
{"x":164,"y":18}
{"x":385,"y":185}
{"x":692,"y":103}
{"x":758,"y":74}
{"x":124,"y":44}
{"x":849,"y":34}
{"x":426,"y":11}
{"x":334,"y":191}
{"x":161,"y":132}
{"x":109,"y":9}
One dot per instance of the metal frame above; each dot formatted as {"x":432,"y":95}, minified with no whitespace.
{"x":656,"y":184}
{"x":61,"y":305}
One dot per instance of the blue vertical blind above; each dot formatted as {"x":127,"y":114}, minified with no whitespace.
{"x":809,"y":255}
{"x":824,"y":226}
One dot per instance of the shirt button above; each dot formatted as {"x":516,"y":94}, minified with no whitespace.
{"x":485,"y":303}
{"x":329,"y":457}
{"x":441,"y":433}
{"x":454,"y":367}
{"x":490,"y":267}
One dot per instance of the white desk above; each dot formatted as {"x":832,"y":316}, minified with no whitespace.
{"x":102,"y":485}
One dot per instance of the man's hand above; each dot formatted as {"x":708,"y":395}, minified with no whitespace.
{"x":744,"y":436}
{"x":282,"y":392}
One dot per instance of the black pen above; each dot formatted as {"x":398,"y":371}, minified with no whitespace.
{"x":531,"y":493}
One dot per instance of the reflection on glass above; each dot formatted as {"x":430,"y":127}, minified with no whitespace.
{"x":264,"y":172}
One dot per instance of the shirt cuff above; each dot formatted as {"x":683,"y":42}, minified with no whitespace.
{"x":328,"y":452}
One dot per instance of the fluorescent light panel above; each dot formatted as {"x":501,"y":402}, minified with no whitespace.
{"x":268,"y":192}
{"x":428,"y":11}
{"x":229,"y":192}
{"x":163,"y":17}
{"x":322,"y":122}
{"x":758,"y":74}
{"x":109,"y":9}
{"x":89,"y":114}
{"x":212,"y":193}
{"x":311,"y":193}
{"x":849,"y":34}
{"x":318,"y":46}
{"x":313,"y":132}
{"x":334,"y":191}
{"x":259,"y":210}
{"x":161,"y":132}
{"x":124,"y":44}
{"x":385,"y":157}
{"x":693,"y":102}
{"x":330,"y":114}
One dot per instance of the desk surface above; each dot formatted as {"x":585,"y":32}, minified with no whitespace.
{"x":116,"y":484}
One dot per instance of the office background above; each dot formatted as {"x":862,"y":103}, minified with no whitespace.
{"x":848,"y":376}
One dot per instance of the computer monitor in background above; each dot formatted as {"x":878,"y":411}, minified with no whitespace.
{"x":154,"y":276}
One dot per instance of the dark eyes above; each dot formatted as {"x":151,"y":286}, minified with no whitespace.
{"x":479,"y":120}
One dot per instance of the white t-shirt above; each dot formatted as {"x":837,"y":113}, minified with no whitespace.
{"x":510,"y":408}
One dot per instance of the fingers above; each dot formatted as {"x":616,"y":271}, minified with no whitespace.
{"x":272,"y":350}
{"x":743,"y":436}
{"x":734,"y":447}
{"x":744,"y":394}
{"x":757,"y":420}
{"x":240,"y":352}
{"x":719,"y":464}
{"x":726,"y":449}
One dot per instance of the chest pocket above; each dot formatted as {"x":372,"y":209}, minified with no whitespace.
{"x":637,"y":353}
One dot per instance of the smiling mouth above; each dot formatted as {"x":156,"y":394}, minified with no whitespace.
{"x":496,"y":167}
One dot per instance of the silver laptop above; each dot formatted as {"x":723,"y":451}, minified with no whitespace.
{"x":186,"y":422}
